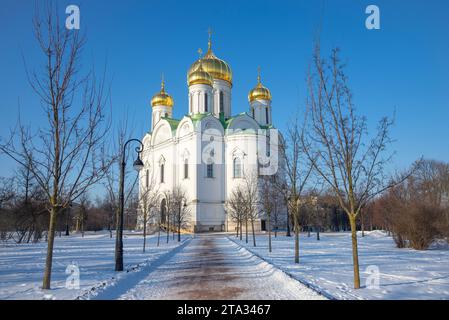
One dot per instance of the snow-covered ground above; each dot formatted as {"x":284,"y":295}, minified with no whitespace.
{"x":208,"y":266}
{"x":21,"y":265}
{"x":219,"y":266}
{"x":327,"y":265}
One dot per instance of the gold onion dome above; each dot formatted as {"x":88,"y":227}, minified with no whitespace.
{"x":162,"y":98}
{"x":259,"y":92}
{"x":216,"y":67}
{"x":199,"y":76}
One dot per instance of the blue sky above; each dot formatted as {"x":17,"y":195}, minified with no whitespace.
{"x":403,"y":67}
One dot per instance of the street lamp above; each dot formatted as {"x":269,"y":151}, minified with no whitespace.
{"x":138,"y":165}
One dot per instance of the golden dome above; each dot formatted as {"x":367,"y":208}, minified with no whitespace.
{"x":162,"y":98}
{"x":216,"y":67}
{"x":259,"y":92}
{"x":199,"y":76}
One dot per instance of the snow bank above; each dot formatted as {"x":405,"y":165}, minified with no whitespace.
{"x":21,"y":266}
{"x":326,"y":266}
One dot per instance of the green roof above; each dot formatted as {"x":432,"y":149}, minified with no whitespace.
{"x":200,"y":116}
{"x":172,"y":122}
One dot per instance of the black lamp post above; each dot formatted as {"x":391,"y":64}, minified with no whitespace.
{"x":138,"y":165}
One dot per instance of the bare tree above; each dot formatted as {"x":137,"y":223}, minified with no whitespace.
{"x":268,"y":202}
{"x":182,"y":214}
{"x":416,"y":210}
{"x":122,"y":133}
{"x":7,"y":194}
{"x":250,"y":188}
{"x":298,"y":170}
{"x":235,"y":208}
{"x":66,"y":156}
{"x":337,"y":145}
{"x":28,"y":207}
{"x":316,"y":213}
{"x":170,"y":209}
{"x":149,"y":198}
{"x":81,"y":214}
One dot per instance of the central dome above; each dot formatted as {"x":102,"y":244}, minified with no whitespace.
{"x":216,"y":67}
{"x":199,"y":76}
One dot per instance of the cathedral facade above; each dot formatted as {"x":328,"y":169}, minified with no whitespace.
{"x":209,"y":151}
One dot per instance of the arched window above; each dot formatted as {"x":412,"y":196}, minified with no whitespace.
{"x":210,"y":170}
{"x":252,"y":109}
{"x":237,"y":168}
{"x":147,"y":178}
{"x":266,"y":114}
{"x":221,"y":101}
{"x":206,"y":107}
{"x":163,"y":211}
{"x":186,"y":168}
{"x":162,"y":172}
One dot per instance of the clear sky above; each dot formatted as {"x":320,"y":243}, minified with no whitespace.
{"x":403,"y":67}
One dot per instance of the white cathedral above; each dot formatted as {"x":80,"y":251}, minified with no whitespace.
{"x":208,"y":151}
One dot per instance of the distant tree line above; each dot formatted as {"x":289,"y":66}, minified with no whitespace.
{"x":416,"y":212}
{"x":24,"y":216}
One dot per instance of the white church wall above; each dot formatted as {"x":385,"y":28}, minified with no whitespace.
{"x":225,"y":87}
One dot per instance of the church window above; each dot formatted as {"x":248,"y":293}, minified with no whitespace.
{"x":266,"y":114}
{"x":252,"y":109}
{"x":162,"y":173}
{"x":210,"y":170}
{"x":237,"y":168}
{"x":221,"y":102}
{"x":206,"y":107}
{"x":186,"y":168}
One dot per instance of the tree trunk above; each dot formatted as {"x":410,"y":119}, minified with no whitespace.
{"x":158,"y":234}
{"x":269,"y":234}
{"x":318,"y":233}
{"x":50,"y":241}
{"x":288,"y":223}
{"x":237,"y":229}
{"x":246,"y":230}
{"x":355,"y":255}
{"x":168,"y":227}
{"x":362,"y":224}
{"x":144,"y":231}
{"x":296,"y":243}
{"x":67,"y":227}
{"x":254,"y":234}
{"x":241,"y":230}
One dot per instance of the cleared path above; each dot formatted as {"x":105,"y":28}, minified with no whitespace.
{"x":211,"y":266}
